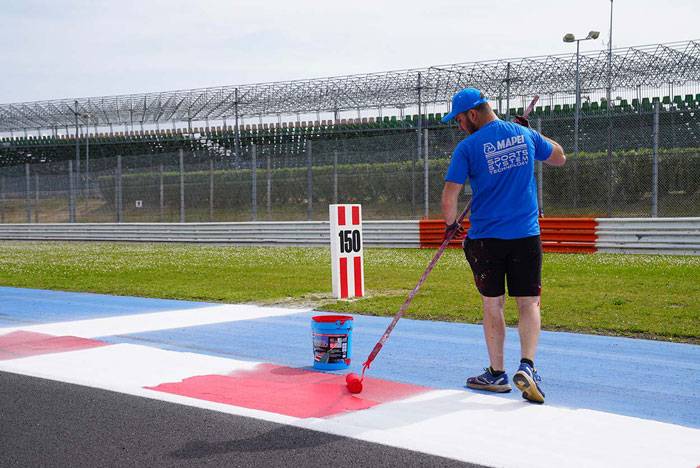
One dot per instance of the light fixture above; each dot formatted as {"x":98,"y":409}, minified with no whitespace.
{"x":569,"y":37}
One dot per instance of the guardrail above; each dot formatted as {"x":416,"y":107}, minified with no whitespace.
{"x":677,"y":236}
{"x":289,"y":233}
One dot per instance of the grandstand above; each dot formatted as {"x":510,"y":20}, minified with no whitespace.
{"x":224,"y":121}
{"x":221,"y":141}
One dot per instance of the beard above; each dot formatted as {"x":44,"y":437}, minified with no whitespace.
{"x":470,"y":126}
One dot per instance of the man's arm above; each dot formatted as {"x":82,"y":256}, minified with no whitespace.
{"x":557,"y":158}
{"x":450,"y":196}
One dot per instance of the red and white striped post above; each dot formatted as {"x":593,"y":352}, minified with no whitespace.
{"x":346,"y":251}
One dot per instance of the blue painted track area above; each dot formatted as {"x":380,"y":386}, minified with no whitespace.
{"x":641,"y":378}
{"x":647,"y":379}
{"x":20,"y":306}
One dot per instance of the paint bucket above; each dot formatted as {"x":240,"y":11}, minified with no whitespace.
{"x":332,"y":341}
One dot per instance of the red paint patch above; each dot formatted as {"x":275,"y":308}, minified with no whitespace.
{"x":21,"y":344}
{"x":293,"y":392}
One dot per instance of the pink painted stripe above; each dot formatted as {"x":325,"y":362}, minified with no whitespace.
{"x":294,"y":392}
{"x":21,"y":344}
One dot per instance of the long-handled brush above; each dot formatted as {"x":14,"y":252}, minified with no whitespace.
{"x":354,"y":382}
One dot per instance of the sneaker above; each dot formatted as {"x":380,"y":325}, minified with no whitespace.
{"x":526,"y":380}
{"x":488,"y":381}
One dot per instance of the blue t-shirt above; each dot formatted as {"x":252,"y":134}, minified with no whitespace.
{"x":499,"y":160}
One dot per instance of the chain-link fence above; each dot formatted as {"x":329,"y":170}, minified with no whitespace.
{"x":629,"y":164}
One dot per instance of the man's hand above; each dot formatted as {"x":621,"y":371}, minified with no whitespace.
{"x":520,"y":120}
{"x":454,"y":228}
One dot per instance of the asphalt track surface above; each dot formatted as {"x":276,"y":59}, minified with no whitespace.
{"x":96,"y":380}
{"x":48,"y":423}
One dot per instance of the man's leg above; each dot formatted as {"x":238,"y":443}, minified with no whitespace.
{"x":495,"y":329}
{"x":528,"y":325}
{"x":494,"y":378}
{"x":485,"y":259}
{"x":525,"y":283}
{"x":526,"y":378}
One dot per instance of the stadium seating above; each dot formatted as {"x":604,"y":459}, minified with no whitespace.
{"x":222,"y":139}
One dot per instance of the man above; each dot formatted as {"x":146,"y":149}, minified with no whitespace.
{"x":503,"y":244}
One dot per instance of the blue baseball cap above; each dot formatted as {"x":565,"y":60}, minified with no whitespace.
{"x":464,"y":100}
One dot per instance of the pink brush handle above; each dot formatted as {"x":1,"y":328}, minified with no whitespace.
{"x":410,"y":297}
{"x":531,"y":106}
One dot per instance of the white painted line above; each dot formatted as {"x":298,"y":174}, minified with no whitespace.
{"x":139,"y":323}
{"x":496,"y":431}
{"x":456,"y":424}
{"x":123,"y":366}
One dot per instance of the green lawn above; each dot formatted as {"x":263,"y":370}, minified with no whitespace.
{"x":636,"y":295}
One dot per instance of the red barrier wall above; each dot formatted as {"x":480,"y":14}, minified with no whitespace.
{"x":566,"y":235}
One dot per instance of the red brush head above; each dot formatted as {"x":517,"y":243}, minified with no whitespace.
{"x":354,"y":383}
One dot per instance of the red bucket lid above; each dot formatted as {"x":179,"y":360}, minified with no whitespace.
{"x":332,"y":318}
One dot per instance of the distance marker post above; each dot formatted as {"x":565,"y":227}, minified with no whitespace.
{"x":346,"y":251}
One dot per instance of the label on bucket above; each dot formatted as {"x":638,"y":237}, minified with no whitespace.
{"x":330,"y":349}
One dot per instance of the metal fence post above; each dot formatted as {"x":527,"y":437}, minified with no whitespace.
{"x":161,"y":192}
{"x":655,"y":164}
{"x":419,"y":150}
{"x":2,"y":199}
{"x":254,"y":180}
{"x":36,"y":197}
{"x":211,"y":190}
{"x":71,"y":193}
{"x":182,"y":185}
{"x":426,"y":176}
{"x":540,"y":202}
{"x":118,"y":188}
{"x":236,"y":130}
{"x":27,"y":192}
{"x":335,"y":176}
{"x":309,"y":181}
{"x":609,"y":160}
{"x":507,"y":80}
{"x":77,"y":144}
{"x":268,"y":198}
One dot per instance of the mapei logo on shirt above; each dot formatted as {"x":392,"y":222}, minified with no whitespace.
{"x":503,"y":144}
{"x":508,"y":142}
{"x":506,"y":154}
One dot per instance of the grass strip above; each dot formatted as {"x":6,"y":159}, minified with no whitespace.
{"x":650,"y":296}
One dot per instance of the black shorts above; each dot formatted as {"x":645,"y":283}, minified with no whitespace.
{"x":495,"y":261}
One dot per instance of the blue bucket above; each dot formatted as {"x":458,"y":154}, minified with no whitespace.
{"x":332,"y":340}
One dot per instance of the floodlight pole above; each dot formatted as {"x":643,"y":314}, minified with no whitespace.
{"x":571,"y":38}
{"x":609,"y":115}
{"x":577,"y":110}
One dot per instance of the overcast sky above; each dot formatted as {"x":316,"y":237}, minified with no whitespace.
{"x":79,"y":48}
